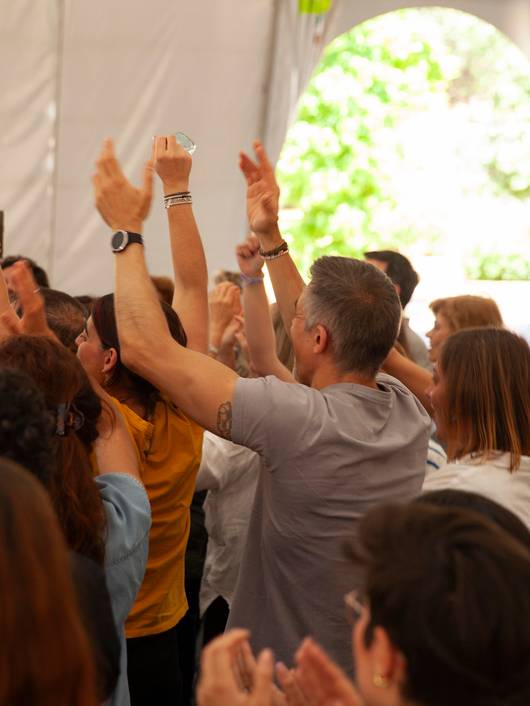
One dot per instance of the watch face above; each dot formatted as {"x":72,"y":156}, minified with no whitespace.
{"x":119,"y":240}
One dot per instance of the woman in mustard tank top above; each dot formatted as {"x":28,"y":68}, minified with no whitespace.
{"x":167,"y":441}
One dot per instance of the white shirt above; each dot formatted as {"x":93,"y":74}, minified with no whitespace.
{"x":492,"y":479}
{"x":230,"y":473}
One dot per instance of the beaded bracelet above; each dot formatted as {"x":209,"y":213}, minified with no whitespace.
{"x":247,"y":281}
{"x":275,"y":252}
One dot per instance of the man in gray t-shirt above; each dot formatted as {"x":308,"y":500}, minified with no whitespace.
{"x":334,"y":445}
{"x":329,"y":455}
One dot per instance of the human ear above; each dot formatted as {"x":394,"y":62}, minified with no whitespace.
{"x":389,"y":663}
{"x":110,"y":360}
{"x":320,"y":339}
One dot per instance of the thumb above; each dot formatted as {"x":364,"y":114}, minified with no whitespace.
{"x":147,"y":186}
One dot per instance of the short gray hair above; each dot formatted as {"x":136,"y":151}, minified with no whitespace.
{"x":360,"y":309}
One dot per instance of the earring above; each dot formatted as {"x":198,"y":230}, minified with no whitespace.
{"x":380,"y":681}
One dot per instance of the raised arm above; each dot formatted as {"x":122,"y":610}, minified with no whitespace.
{"x":190,"y":300}
{"x":258,"y":323}
{"x":200,"y":386}
{"x":412,"y":375}
{"x":262,"y":209}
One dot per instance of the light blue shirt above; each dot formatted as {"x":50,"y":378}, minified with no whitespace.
{"x":128,"y":514}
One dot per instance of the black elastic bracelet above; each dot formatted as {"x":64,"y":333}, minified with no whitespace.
{"x":178,"y":193}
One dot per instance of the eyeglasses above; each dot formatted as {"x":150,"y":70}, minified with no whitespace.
{"x":355,"y":606}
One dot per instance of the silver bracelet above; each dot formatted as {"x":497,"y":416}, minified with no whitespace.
{"x":183,"y":197}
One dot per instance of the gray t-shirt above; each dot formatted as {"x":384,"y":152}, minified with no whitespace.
{"x":328,"y":456}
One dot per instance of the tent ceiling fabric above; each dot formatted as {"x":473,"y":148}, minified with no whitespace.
{"x":223,"y":73}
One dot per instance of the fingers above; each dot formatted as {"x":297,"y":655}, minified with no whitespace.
{"x":263,"y":684}
{"x":147,"y":186}
{"x":107,"y":162}
{"x":160,"y":147}
{"x":30,"y":299}
{"x":249,"y":168}
{"x":219,"y":653}
{"x":9,"y":324}
{"x":172,"y":145}
{"x":225,"y":292}
{"x":249,"y":248}
{"x":253,"y":243}
{"x":292,"y":689}
{"x":322,"y":677}
{"x":261,"y":155}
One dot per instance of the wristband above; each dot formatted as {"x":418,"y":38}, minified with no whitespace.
{"x":276,"y":256}
{"x":177,"y":193}
{"x":183,"y":197}
{"x":213,"y":350}
{"x":247,"y":281}
{"x":275,"y":252}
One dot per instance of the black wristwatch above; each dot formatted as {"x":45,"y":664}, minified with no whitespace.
{"x":122,"y":238}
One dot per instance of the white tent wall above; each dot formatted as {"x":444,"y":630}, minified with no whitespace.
{"x":28,"y":75}
{"x":223,"y":72}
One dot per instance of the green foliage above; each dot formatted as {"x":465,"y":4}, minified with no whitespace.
{"x":342,"y":166}
{"x":498,"y":266}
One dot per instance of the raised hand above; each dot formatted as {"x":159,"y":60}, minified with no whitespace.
{"x":263,"y":193}
{"x":172,"y":163}
{"x":30,"y":300}
{"x":248,"y":258}
{"x":225,"y":303}
{"x":121,"y":205}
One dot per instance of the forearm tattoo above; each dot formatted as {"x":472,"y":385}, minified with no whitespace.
{"x":224,"y":420}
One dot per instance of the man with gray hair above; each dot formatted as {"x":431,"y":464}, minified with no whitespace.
{"x":333,"y":443}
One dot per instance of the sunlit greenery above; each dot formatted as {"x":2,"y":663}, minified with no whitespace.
{"x":413,"y":133}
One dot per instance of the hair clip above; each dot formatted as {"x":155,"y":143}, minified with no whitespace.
{"x":68,"y":417}
{"x":62,"y":411}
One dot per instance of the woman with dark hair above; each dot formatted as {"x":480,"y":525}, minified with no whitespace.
{"x":499,"y":515}
{"x":168,"y":442}
{"x":45,"y":658}
{"x":106,"y":519}
{"x":481,"y":401}
{"x":442,"y":619}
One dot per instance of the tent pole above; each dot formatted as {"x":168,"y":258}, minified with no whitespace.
{"x":269,"y":70}
{"x":50,"y":259}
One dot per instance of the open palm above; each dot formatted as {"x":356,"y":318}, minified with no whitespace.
{"x":263,"y":193}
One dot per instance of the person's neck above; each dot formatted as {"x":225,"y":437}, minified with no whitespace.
{"x":124,"y":395}
{"x":328,"y":374}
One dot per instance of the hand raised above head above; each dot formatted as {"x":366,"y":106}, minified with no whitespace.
{"x":248,"y":258}
{"x":121,"y":205}
{"x":30,"y":300}
{"x":172,"y":163}
{"x":263,"y":192}
{"x":225,"y":302}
